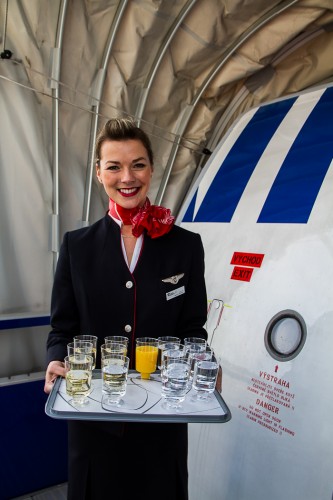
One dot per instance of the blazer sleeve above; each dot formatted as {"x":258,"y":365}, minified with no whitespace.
{"x":65,"y":319}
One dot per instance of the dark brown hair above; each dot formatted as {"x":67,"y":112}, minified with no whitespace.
{"x":122,"y":129}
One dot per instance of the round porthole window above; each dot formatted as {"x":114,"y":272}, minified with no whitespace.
{"x":285,"y":335}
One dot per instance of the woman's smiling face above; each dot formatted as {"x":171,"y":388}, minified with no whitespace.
{"x":125,"y":172}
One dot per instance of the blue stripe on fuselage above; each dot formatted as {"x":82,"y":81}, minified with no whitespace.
{"x":230,"y":181}
{"x":301,"y":175}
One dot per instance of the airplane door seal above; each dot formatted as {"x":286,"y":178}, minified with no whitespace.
{"x":285,"y":335}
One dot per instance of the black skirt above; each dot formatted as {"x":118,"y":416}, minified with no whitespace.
{"x":127,"y":461}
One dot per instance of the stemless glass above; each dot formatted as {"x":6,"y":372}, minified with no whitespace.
{"x":175,"y":373}
{"x":173,"y":352}
{"x":166,"y":342}
{"x":195,"y":344}
{"x":80,"y":347}
{"x":113,"y":348}
{"x":146,"y":356}
{"x":117,"y":339}
{"x":114,"y":377}
{"x":78,"y":377}
{"x":193,"y":356}
{"x":204,"y":379}
{"x":89,"y":338}
{"x":178,"y":353}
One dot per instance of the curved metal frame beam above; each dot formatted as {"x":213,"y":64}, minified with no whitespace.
{"x":158,"y":59}
{"x":243,"y":92}
{"x":96,"y":95}
{"x":239,"y":98}
{"x":188,"y":111}
{"x":5,"y":17}
{"x":55,"y":74}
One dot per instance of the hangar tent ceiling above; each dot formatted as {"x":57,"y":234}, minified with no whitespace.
{"x":184,"y":69}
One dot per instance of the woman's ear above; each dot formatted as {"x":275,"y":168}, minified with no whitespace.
{"x":98,"y":172}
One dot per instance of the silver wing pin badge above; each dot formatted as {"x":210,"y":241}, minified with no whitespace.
{"x":173,"y":279}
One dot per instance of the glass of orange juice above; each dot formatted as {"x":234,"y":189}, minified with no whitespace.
{"x":146,"y":356}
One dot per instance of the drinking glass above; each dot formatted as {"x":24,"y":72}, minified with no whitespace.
{"x":146,"y":356}
{"x":114,"y":377}
{"x":117,"y":339}
{"x":204,"y":378}
{"x":195,"y":344}
{"x":193,"y":356}
{"x":173,"y":352}
{"x":93,"y":340}
{"x":114,"y":347}
{"x":78,"y":377}
{"x":166,"y":342}
{"x":178,"y":353}
{"x":78,"y":347}
{"x":175,"y":373}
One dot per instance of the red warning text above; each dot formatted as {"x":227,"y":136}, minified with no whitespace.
{"x":247,"y":259}
{"x":241,"y":273}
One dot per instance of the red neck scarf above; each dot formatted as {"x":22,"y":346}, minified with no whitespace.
{"x":155,"y":219}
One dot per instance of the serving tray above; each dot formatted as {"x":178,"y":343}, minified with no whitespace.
{"x":142,"y":402}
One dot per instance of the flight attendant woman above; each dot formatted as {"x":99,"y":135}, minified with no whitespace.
{"x":133,"y":273}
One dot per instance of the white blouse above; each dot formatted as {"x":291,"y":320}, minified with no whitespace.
{"x":137,"y":248}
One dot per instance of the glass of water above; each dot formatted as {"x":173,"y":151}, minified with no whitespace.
{"x":204,"y":379}
{"x":195,"y":347}
{"x":114,"y":378}
{"x":175,"y":373}
{"x":193,"y":356}
{"x":195,"y":343}
{"x":166,"y":342}
{"x":176,"y":351}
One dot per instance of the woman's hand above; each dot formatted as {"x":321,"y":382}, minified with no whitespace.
{"x":54,"y":370}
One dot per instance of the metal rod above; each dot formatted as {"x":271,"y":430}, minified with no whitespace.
{"x":55,"y":131}
{"x":158,"y":59}
{"x":226,"y":56}
{"x":5,"y":27}
{"x":99,"y":83}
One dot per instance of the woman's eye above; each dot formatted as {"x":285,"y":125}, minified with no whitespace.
{"x":112,"y":167}
{"x":139,"y":165}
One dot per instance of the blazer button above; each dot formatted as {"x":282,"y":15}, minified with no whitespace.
{"x":129,"y":284}
{"x":128,"y":328}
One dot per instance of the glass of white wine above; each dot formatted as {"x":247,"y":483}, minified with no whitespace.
{"x":78,"y":377}
{"x":113,"y":347}
{"x":89,"y":338}
{"x":117,"y":339}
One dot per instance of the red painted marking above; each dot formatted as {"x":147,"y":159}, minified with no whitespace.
{"x":247,"y":259}
{"x":241,"y":273}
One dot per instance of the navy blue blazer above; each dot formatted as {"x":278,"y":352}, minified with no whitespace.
{"x":95,"y":293}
